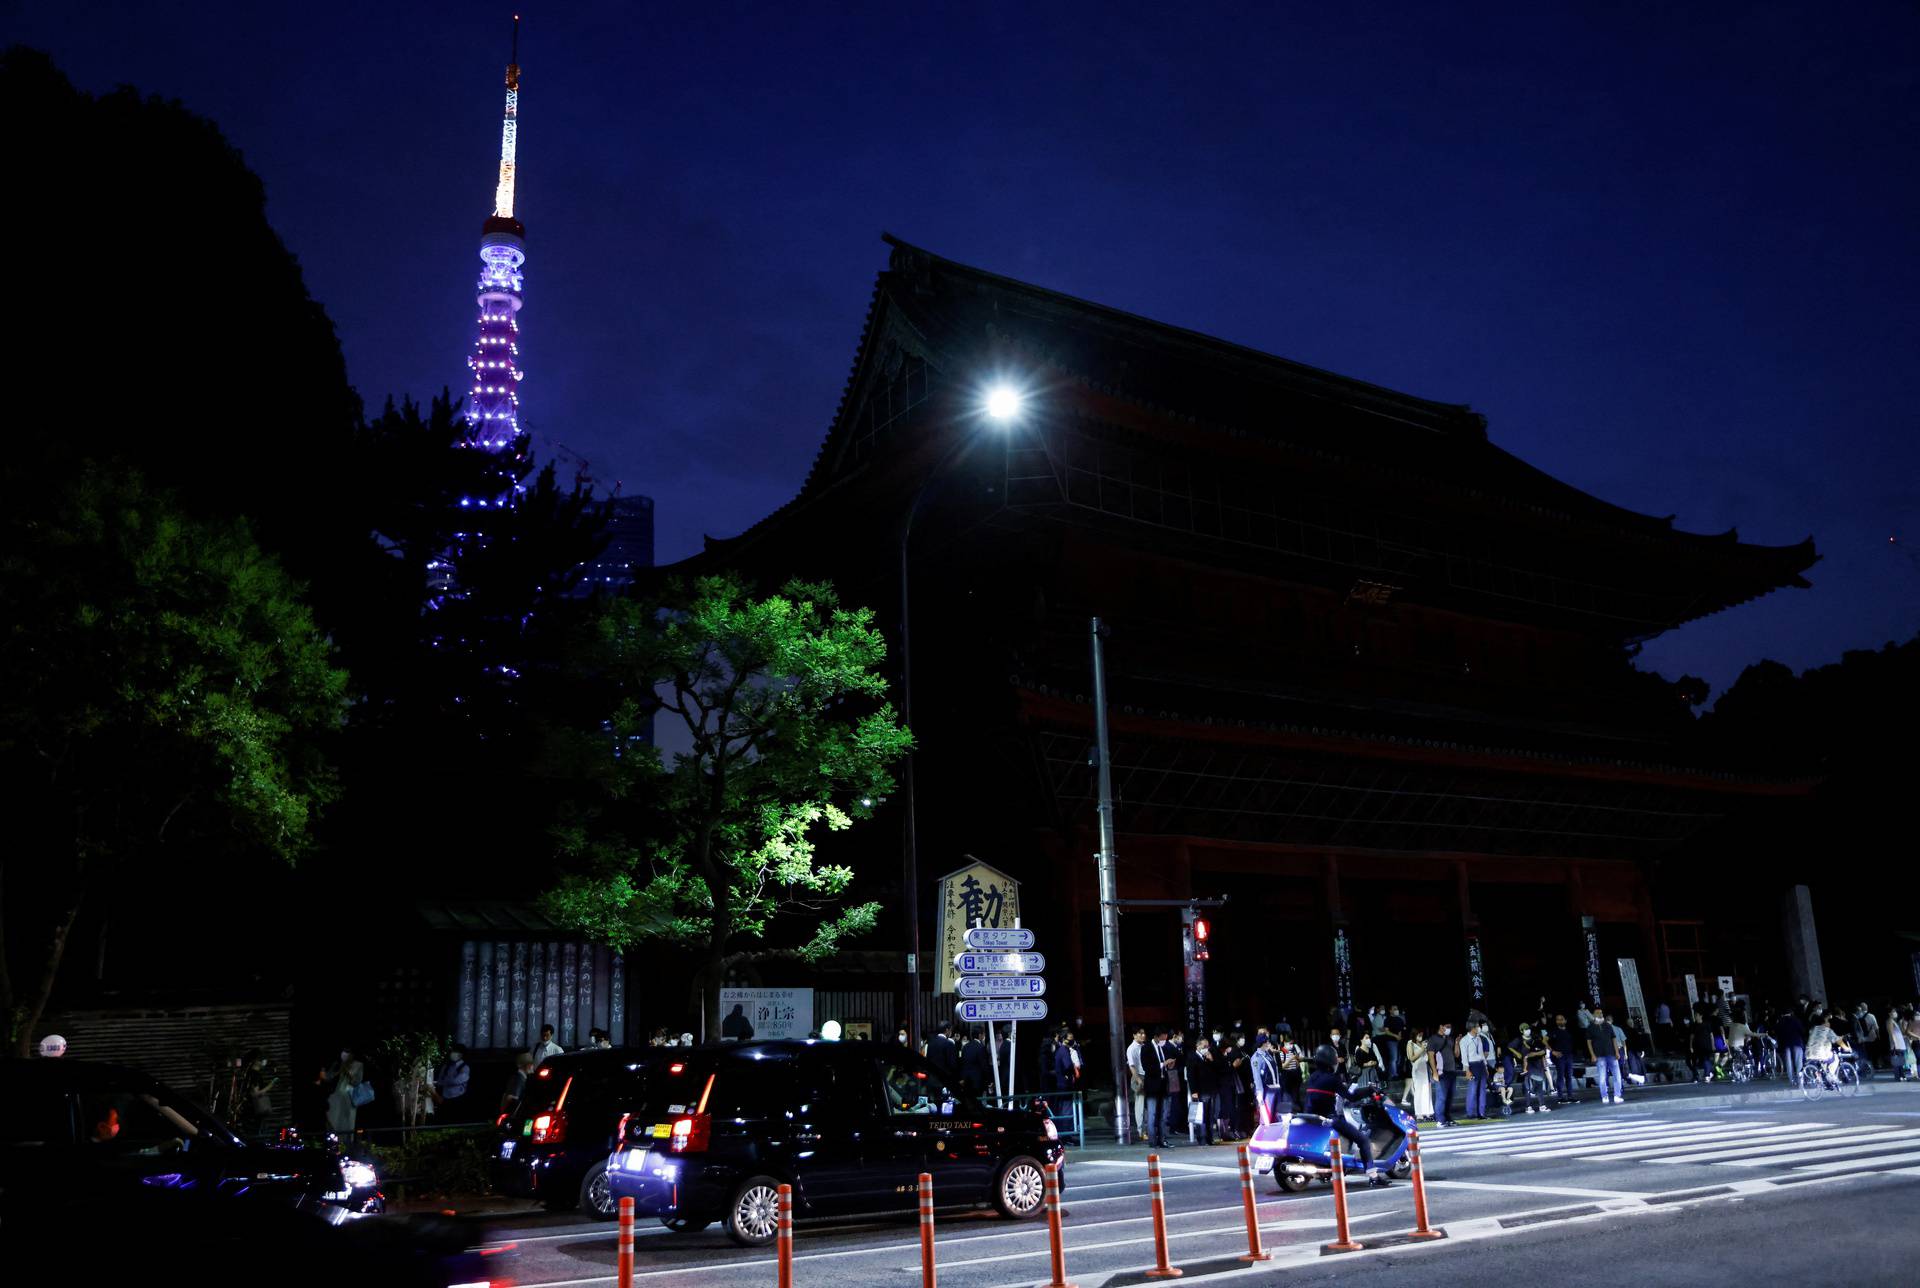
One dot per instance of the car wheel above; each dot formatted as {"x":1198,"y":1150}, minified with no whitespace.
{"x":1021,"y":1190}
{"x":684,"y":1224}
{"x":753,"y":1216}
{"x":1291,"y":1182}
{"x":596,"y":1194}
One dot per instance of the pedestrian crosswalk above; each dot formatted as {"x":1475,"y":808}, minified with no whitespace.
{"x":1794,"y":1147}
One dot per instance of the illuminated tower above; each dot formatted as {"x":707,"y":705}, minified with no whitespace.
{"x":493,"y":400}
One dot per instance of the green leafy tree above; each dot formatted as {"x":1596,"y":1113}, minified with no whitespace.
{"x":166,"y":689}
{"x":783,"y":707}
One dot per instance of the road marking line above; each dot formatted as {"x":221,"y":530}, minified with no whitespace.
{"x":1165,"y":1166}
{"x":1814,"y":1154}
{"x":1548,"y":1136}
{"x":1594,"y":1140}
{"x":1715,"y":1155}
{"x":1818,"y":1169}
{"x":1239,"y":1228}
{"x":1722,"y":1139}
{"x":1646,"y":1140}
{"x":1559,"y":1190}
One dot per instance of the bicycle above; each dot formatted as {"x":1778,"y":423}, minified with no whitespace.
{"x":1816,"y":1082}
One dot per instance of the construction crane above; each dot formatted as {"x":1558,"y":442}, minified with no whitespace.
{"x":582,"y":469}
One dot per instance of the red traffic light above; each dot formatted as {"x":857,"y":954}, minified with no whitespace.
{"x":1200,"y":929}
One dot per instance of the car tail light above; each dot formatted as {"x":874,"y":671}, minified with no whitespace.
{"x":620,"y":1132}
{"x":690,"y":1134}
{"x":550,"y":1129}
{"x":1053,"y":1132}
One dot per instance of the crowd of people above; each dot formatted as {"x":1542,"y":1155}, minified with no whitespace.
{"x":1223,"y":1084}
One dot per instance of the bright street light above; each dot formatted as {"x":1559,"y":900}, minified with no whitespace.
{"x":1003,"y":402}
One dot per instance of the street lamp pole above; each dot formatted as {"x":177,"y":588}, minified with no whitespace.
{"x":1109,"y":899}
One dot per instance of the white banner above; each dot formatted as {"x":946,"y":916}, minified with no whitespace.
{"x":1630,"y":988}
{"x":773,"y":1012}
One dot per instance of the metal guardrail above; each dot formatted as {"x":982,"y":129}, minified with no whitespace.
{"x":1068,"y":1110}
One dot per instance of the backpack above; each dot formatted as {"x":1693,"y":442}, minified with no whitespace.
{"x":362,"y":1094}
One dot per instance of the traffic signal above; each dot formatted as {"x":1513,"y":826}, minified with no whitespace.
{"x":1200,"y":932}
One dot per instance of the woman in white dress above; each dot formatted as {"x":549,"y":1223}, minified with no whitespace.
{"x":1420,"y":1085}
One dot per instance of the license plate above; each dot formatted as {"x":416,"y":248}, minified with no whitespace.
{"x":660,"y":1131}
{"x":638,"y":1159}
{"x":506,"y":1149}
{"x":1263,"y":1163}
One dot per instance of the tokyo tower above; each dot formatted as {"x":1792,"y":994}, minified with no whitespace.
{"x":493,"y":399}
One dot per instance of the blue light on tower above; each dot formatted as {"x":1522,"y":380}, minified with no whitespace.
{"x":493,"y":399}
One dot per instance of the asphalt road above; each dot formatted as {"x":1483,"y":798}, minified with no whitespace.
{"x":1666,"y":1189}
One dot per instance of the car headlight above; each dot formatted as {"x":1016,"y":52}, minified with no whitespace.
{"x":359,"y":1175}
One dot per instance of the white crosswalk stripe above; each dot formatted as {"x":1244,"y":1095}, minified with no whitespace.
{"x":1791,"y":1147}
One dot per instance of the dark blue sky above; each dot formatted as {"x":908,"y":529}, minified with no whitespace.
{"x":1669,"y":250}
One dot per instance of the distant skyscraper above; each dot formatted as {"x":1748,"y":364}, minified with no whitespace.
{"x":629,"y":533}
{"x":493,"y":400}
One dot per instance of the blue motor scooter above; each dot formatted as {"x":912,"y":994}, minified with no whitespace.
{"x":1296,"y":1148}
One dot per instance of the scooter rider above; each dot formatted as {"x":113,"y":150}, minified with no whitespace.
{"x":1324,"y":1092}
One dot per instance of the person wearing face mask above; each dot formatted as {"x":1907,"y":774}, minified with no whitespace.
{"x":1446,"y":1072}
{"x":1239,"y":1083}
{"x":1221,"y":1108}
{"x":1292,"y":1068}
{"x":1530,"y":1049}
{"x":1203,"y":1090}
{"x":1476,"y":1055}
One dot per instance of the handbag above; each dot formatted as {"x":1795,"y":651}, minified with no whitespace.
{"x":362,"y":1094}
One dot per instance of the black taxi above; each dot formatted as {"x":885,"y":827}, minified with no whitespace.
{"x":713,"y":1131}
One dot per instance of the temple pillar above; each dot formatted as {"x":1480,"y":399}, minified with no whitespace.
{"x":1802,"y":943}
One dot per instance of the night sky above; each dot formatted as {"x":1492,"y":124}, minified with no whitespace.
{"x":1669,"y":250}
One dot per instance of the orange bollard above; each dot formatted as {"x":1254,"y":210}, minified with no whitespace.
{"x":784,"y":1239}
{"x":926,"y":1230}
{"x":1253,"y":1252}
{"x":1420,"y":1228}
{"x":1058,"y":1259}
{"x":1341,"y":1242}
{"x":625,"y":1270}
{"x":1163,"y":1269}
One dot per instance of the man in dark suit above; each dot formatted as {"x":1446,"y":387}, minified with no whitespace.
{"x":976,"y":1068}
{"x":1153,"y":1063}
{"x":943,"y":1055}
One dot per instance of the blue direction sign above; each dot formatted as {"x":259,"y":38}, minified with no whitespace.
{"x":992,"y":939}
{"x":994,"y":1009}
{"x":999,"y":963}
{"x":999,"y":986}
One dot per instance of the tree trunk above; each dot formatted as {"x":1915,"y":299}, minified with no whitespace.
{"x":708,"y":976}
{"x":36,"y":1005}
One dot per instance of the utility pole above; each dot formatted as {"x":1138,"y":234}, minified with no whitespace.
{"x":1110,"y":903}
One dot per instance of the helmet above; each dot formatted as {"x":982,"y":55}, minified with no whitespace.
{"x":1323,"y":1057}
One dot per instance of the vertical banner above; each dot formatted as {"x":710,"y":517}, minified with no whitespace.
{"x":1476,"y":974}
{"x":1342,"y":969}
{"x":1693,"y":994}
{"x":1592,"y":937}
{"x":1630,"y":989}
{"x":978,"y":894}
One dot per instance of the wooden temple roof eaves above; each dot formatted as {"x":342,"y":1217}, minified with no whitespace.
{"x":1190,"y":381}
{"x":487,"y":917}
{"x":1050,"y":706}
